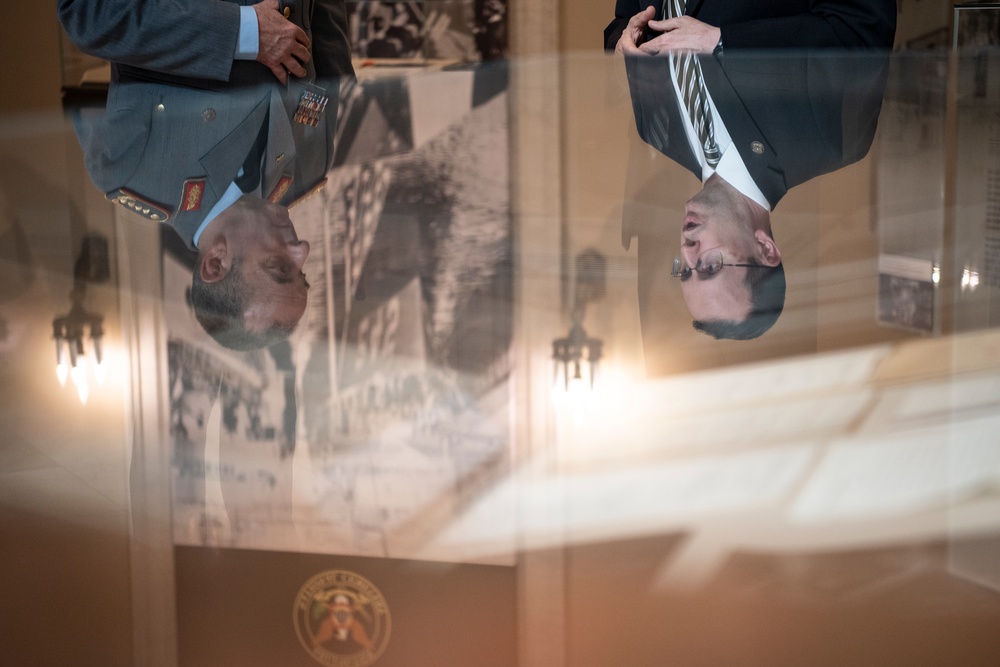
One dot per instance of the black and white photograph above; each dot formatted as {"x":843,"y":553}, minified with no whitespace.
{"x":454,"y":30}
{"x":390,"y":402}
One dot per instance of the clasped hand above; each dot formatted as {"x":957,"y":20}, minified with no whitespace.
{"x":679,"y":34}
{"x":283,"y":46}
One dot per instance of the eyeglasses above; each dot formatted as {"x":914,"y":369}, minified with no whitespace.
{"x":709,"y":263}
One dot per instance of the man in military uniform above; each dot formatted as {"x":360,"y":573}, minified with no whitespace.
{"x":219,"y":118}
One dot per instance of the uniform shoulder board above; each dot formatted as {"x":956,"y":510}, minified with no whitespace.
{"x":316,"y":189}
{"x":137,"y":204}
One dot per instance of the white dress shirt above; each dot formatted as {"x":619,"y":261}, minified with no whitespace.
{"x":731,"y":167}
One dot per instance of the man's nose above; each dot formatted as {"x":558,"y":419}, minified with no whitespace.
{"x":299,"y":251}
{"x":689,"y":253}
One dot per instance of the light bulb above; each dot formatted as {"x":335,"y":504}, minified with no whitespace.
{"x":101,"y":372}
{"x":79,"y":375}
{"x":83,"y":391}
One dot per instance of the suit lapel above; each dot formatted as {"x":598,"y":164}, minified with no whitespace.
{"x":657,"y":110}
{"x":757,"y":152}
{"x":692,"y":7}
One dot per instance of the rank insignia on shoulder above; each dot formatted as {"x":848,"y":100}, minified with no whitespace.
{"x":280,"y":189}
{"x":140,"y":205}
{"x":314,"y":190}
{"x":191,"y":194}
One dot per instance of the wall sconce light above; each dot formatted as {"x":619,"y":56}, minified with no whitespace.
{"x":576,"y":358}
{"x":970,"y":279}
{"x":69,"y":330}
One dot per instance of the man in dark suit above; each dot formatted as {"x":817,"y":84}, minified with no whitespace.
{"x":207,"y":140}
{"x":750,"y":124}
{"x":753,"y":24}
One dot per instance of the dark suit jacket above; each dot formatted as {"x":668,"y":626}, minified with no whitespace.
{"x":792,"y":115}
{"x":166,"y":131}
{"x":771,"y":24}
{"x":799,"y":89}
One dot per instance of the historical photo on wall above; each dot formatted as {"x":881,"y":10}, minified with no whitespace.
{"x":906,"y":293}
{"x":388,"y":410}
{"x":454,"y":30}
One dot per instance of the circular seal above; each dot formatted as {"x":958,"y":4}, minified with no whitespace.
{"x":341,"y":619}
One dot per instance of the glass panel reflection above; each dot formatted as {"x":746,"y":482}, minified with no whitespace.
{"x":405,"y":351}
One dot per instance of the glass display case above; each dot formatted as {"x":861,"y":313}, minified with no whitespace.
{"x":487,"y":363}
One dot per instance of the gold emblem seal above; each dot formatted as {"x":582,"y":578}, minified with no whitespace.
{"x":342,"y":619}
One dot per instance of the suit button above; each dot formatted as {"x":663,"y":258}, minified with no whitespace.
{"x":757,"y":147}
{"x":286,"y":12}
{"x":159,"y":107}
{"x":208,"y":115}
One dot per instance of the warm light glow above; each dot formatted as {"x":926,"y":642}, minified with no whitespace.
{"x":970,"y":279}
{"x":936,"y":275}
{"x":577,"y":398}
{"x":101,"y":372}
{"x":62,"y":372}
{"x":83,"y":391}
{"x":79,"y":375}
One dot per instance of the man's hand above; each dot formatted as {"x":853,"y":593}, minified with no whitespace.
{"x":284,"y":46}
{"x":682,"y":34}
{"x":628,"y":44}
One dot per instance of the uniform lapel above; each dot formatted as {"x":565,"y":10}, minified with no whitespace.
{"x":224,"y":160}
{"x":280,"y":159}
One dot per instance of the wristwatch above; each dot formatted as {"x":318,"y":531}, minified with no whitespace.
{"x":718,"y":47}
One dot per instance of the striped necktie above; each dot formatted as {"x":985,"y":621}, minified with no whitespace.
{"x":692,"y":85}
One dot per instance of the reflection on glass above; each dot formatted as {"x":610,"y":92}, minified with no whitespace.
{"x":221,"y":156}
{"x":402,"y":459}
{"x":750,"y":124}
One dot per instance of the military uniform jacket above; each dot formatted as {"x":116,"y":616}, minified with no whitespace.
{"x":191,"y":42}
{"x":170,"y":144}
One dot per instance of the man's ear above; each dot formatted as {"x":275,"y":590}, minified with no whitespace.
{"x":214,"y":263}
{"x":767,"y":250}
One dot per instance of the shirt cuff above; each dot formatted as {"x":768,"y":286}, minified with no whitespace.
{"x":249,"y":42}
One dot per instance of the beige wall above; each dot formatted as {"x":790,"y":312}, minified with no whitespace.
{"x":582,"y":24}
{"x":29,"y":51}
{"x":64,"y":466}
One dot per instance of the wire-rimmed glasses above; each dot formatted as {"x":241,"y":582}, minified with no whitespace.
{"x":709,"y":263}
